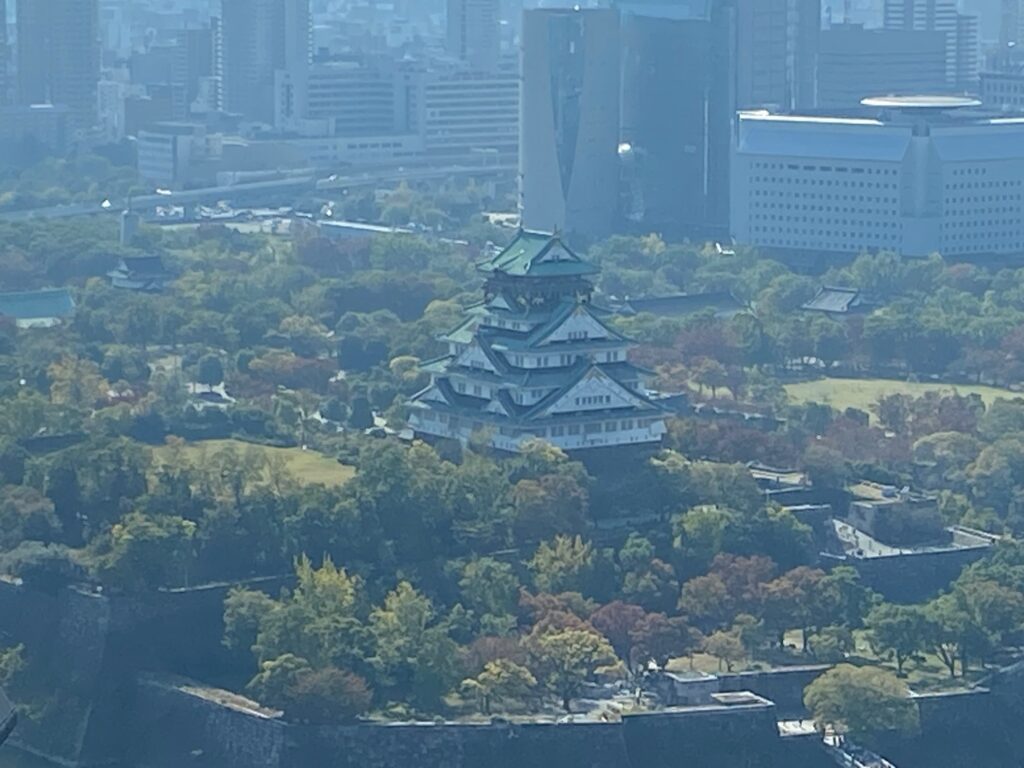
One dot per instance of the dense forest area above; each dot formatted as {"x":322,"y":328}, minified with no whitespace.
{"x":436,"y":581}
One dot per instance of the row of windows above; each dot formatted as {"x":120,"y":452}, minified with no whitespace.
{"x":973,"y":213}
{"x":818,"y":244}
{"x":804,"y":181}
{"x":834,"y":222}
{"x":981,"y":199}
{"x":556,"y":431}
{"x":884,"y":212}
{"x":984,"y":235}
{"x":818,"y":196}
{"x":857,"y":236}
{"x":825,"y":168}
{"x":594,"y":400}
{"x":977,"y":224}
{"x":983,"y":185}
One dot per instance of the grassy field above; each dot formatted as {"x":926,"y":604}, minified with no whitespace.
{"x":864,"y":393}
{"x":307,"y":466}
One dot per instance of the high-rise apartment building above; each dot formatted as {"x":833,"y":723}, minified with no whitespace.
{"x":59,"y":55}
{"x":961,"y":30}
{"x":474,"y":36}
{"x":777,"y":43}
{"x":257,"y":39}
{"x":569,"y":127}
{"x":678,"y":103}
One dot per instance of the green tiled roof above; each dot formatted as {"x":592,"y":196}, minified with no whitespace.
{"x":530,"y":255}
{"x":36,"y":305}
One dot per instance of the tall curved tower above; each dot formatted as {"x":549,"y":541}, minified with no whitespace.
{"x":569,"y":126}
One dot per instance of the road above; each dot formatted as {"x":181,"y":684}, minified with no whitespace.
{"x":252,"y":192}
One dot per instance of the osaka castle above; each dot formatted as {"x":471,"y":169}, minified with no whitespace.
{"x":536,"y":359}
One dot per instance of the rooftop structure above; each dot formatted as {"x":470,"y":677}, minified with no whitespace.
{"x":37,"y":309}
{"x":140,"y":273}
{"x":536,"y":359}
{"x":837,"y":301}
{"x":720,"y":303}
{"x":911,"y":174}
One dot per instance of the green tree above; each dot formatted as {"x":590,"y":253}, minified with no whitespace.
{"x":727,"y":647}
{"x":210,"y":371}
{"x":552,"y":504}
{"x":954,"y":633}
{"x":25,"y":514}
{"x":864,"y":702}
{"x":490,"y":588}
{"x":569,"y":658}
{"x":360,"y":415}
{"x":76,"y":382}
{"x":500,"y":681}
{"x":244,"y":611}
{"x":319,"y":621}
{"x":898,"y":630}
{"x":276,"y":677}
{"x":414,"y":654}
{"x":146,"y":552}
{"x":831,"y":644}
{"x":563,"y":565}
{"x":12,"y":664}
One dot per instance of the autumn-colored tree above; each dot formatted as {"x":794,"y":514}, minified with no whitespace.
{"x":500,"y":681}
{"x":617,"y":621}
{"x":567,"y":659}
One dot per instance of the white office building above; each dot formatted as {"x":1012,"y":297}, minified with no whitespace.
{"x":921,"y":175}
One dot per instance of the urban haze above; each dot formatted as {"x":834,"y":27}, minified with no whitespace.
{"x":511,"y":383}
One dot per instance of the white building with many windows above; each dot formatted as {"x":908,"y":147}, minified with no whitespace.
{"x":920,"y":175}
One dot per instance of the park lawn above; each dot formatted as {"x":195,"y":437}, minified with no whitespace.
{"x":926,"y":674}
{"x":309,"y":467}
{"x":864,"y":393}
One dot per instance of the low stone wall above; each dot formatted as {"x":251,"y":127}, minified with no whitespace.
{"x":784,"y":686}
{"x":180,"y":724}
{"x":915,"y":577}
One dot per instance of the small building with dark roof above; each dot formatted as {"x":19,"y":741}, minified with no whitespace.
{"x":140,"y":273}
{"x":833,"y":300}
{"x":37,"y":309}
{"x":722,"y":303}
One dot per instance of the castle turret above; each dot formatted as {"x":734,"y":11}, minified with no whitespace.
{"x":537,"y":359}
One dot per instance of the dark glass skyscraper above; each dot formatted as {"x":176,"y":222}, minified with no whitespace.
{"x":678,"y":99}
{"x":59,"y":55}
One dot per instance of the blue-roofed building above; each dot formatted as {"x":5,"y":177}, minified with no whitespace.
{"x":915,"y":175}
{"x":37,"y":309}
{"x":536,"y":359}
